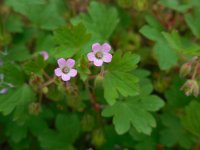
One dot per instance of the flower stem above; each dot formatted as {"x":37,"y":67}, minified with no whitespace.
{"x":95,"y":105}
{"x":48,"y":82}
{"x":102,"y":71}
{"x":46,"y":75}
{"x":195,"y":71}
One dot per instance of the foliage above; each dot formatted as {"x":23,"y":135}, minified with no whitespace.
{"x":136,"y":101}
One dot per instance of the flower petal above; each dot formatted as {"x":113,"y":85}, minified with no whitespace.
{"x":106,"y":47}
{"x":44,"y":54}
{"x":62,"y":62}
{"x":70,"y":62}
{"x":107,"y":57}
{"x":58,"y":72}
{"x":96,"y":47}
{"x":73,"y":72}
{"x":91,"y":56}
{"x":65,"y":77}
{"x":98,"y":62}
{"x":3,"y":91}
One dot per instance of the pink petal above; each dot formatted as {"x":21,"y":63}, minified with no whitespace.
{"x":107,"y":57}
{"x":96,"y":47}
{"x":3,"y":91}
{"x":65,"y":77}
{"x":62,"y":62}
{"x":45,"y":55}
{"x":106,"y":47}
{"x":70,"y":62}
{"x":98,"y":62}
{"x":91,"y":56}
{"x":58,"y":72}
{"x":73,"y":72}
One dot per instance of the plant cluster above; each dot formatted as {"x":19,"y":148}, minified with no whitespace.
{"x":99,"y":75}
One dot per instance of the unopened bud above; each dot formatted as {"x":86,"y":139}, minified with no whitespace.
{"x":34,"y":108}
{"x":98,"y":137}
{"x":141,"y":5}
{"x":45,"y":90}
{"x":191,"y":87}
{"x":185,"y":69}
{"x":4,"y":91}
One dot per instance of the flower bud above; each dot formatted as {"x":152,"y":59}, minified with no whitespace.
{"x":4,"y":91}
{"x":44,"y":54}
{"x":185,"y":69}
{"x":98,"y":137}
{"x":45,"y":90}
{"x":34,"y":108}
{"x":141,"y":5}
{"x":35,"y":81}
{"x":191,"y":87}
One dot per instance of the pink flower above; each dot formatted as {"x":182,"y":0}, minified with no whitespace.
{"x":65,"y":70}
{"x":100,"y":54}
{"x":4,"y":91}
{"x":44,"y":54}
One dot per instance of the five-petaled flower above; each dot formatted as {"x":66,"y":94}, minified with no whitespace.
{"x":100,"y":54}
{"x":65,"y":70}
{"x":44,"y":54}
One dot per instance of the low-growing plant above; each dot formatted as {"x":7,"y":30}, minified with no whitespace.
{"x":99,"y":75}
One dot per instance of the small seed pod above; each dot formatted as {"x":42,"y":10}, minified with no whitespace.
{"x":191,"y":87}
{"x":45,"y":90}
{"x":185,"y":69}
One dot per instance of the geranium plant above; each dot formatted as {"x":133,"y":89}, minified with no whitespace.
{"x":99,"y":75}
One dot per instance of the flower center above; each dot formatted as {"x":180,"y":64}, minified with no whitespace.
{"x":65,"y":70}
{"x":99,"y":55}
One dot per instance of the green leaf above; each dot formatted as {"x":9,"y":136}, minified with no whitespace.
{"x":67,"y":131}
{"x":174,"y":96}
{"x":145,"y":84}
{"x":38,"y":11}
{"x":173,"y":132}
{"x":70,"y":131}
{"x":70,"y":39}
{"x":193,"y":22}
{"x":35,"y":66}
{"x":191,"y":120}
{"x":15,"y":98}
{"x":21,"y":52}
{"x":134,"y":111}
{"x":144,"y":141}
{"x":173,"y":39}
{"x":150,"y":32}
{"x":118,"y":80}
{"x":177,"y":5}
{"x":181,"y":44}
{"x":14,"y":24}
{"x":12,"y":74}
{"x":101,"y":20}
{"x":16,"y":132}
{"x":162,"y":50}
{"x":51,"y":140}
